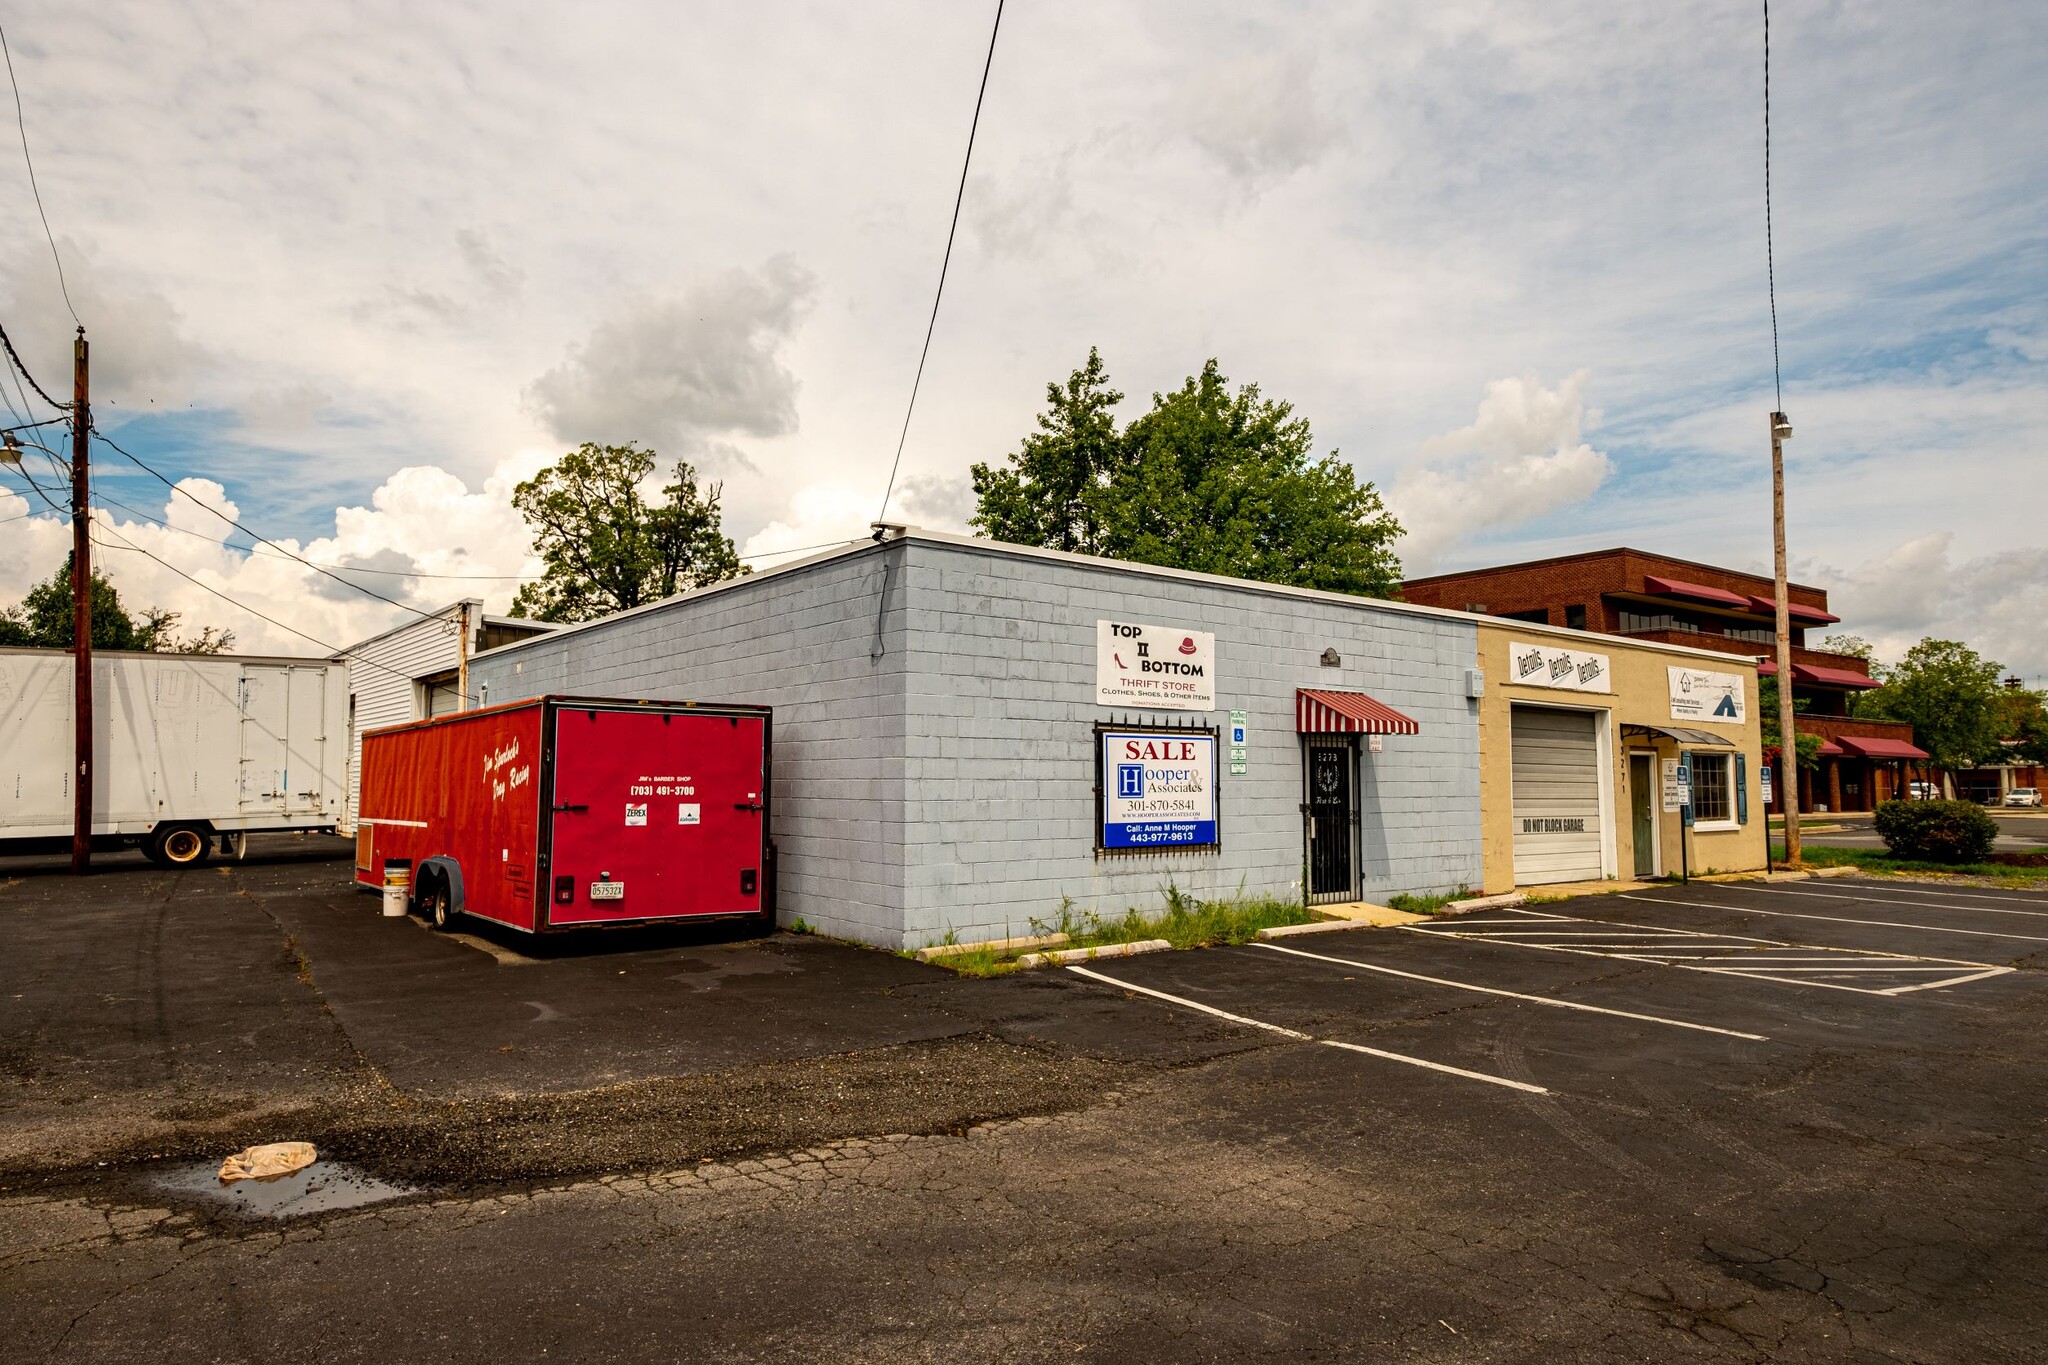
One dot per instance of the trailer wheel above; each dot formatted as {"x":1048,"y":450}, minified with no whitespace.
{"x":178,"y":846}
{"x":437,"y":905}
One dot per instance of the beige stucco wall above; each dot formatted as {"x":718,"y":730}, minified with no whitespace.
{"x":1641,"y":695}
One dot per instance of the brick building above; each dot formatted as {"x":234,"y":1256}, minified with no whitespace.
{"x":1650,"y":597}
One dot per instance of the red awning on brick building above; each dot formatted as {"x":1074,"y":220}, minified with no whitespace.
{"x":1865,"y":747}
{"x":1798,"y":611}
{"x":1698,"y":592}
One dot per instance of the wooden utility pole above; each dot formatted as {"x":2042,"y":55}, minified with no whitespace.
{"x":462,"y":663}
{"x":81,"y":607}
{"x":1788,"y":740}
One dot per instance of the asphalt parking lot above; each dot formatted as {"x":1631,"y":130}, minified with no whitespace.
{"x":1796,"y":1121}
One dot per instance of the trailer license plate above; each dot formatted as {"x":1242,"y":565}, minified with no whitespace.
{"x":607,"y":891}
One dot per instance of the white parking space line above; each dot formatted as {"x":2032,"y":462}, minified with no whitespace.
{"x":1898,"y":905}
{"x":1107,"y":979}
{"x":1844,"y":919}
{"x":1437,"y":1066}
{"x":1512,"y":995}
{"x":1759,"y":959}
{"x":1191,"y":1004}
{"x":2003,"y":897}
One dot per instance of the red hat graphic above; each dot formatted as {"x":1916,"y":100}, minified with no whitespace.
{"x":1187,"y":645}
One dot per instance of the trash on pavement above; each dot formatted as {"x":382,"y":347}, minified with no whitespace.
{"x":267,"y":1162}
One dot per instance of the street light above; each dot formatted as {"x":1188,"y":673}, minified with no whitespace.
{"x":10,"y":453}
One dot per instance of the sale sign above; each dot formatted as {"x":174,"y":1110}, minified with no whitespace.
{"x":1158,"y":789}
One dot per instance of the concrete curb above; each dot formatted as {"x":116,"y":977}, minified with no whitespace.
{"x":1500,"y":902}
{"x":1000,"y":945}
{"x":1328,"y":926}
{"x":1060,"y":959}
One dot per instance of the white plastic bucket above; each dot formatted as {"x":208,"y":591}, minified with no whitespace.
{"x":397,"y":888}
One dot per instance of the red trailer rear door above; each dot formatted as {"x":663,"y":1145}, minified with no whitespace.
{"x":657,"y":815}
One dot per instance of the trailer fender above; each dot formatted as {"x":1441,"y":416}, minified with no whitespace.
{"x":449,"y":871}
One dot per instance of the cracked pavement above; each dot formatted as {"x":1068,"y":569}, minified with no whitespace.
{"x":835,"y":1154}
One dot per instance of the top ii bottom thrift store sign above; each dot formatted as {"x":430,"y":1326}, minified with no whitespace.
{"x":1158,"y":789}
{"x":1154,"y":666}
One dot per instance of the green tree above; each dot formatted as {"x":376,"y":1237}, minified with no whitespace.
{"x":2023,"y":724}
{"x":1209,"y":479}
{"x":1848,"y":644}
{"x":606,"y":546}
{"x":42,"y":619}
{"x":1055,"y":490}
{"x":1773,"y":736}
{"x":1950,"y":696}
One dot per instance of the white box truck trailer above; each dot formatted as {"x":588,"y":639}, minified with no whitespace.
{"x":189,"y":750}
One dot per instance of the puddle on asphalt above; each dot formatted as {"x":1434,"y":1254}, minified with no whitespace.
{"x":319,"y":1188}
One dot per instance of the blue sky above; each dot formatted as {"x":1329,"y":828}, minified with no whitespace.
{"x":1508,"y":261}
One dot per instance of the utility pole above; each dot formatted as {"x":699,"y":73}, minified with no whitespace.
{"x":1788,"y":741}
{"x":462,"y":663}
{"x":81,"y":607}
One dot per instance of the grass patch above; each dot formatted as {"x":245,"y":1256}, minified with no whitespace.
{"x":1426,"y":905}
{"x":1878,"y":861}
{"x":1185,"y":922}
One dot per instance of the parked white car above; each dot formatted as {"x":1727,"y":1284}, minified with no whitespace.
{"x":1921,"y":791}
{"x":2023,"y":796}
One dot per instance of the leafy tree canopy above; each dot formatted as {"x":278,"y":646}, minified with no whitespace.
{"x":43,"y":620}
{"x":1210,"y":479}
{"x":1950,"y":695}
{"x":609,"y":547}
{"x":1773,"y":739}
{"x":1848,"y":644}
{"x":2023,"y":724}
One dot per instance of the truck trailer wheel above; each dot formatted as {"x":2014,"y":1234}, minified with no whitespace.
{"x":437,"y":904}
{"x":178,"y":846}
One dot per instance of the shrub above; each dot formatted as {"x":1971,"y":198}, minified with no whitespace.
{"x":1939,"y":831}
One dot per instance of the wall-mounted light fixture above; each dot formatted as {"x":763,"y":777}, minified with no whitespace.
{"x":1332,"y":659}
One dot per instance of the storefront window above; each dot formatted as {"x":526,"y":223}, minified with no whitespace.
{"x":1713,"y":789}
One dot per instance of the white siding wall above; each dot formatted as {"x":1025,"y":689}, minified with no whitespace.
{"x":380,"y":680}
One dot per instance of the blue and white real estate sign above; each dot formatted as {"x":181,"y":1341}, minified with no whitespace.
{"x":1158,"y":789}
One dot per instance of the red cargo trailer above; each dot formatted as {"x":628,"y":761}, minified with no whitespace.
{"x":573,"y":812}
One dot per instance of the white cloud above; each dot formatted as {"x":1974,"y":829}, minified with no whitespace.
{"x":420,"y":520}
{"x":1996,"y":603}
{"x":1521,"y":459}
{"x":670,"y":371}
{"x":1257,"y":114}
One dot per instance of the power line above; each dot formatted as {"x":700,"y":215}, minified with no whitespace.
{"x":370,"y":592}
{"x":332,"y":651}
{"x":1770,"y":253}
{"x":15,"y":356}
{"x":959,"y":196}
{"x":22,"y":123}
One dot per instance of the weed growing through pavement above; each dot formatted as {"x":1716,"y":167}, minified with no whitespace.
{"x":1426,"y":905}
{"x":1186,"y":921}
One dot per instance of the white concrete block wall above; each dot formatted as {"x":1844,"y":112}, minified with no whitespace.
{"x":949,"y":784}
{"x":799,"y":641}
{"x":999,"y":797}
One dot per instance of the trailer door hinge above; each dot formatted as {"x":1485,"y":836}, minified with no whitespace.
{"x":563,"y":808}
{"x":748,"y":805}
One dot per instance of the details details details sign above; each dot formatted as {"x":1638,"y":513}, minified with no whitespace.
{"x":1575,"y":670}
{"x":1697,"y":694}
{"x":1158,"y":789}
{"x":1154,"y":666}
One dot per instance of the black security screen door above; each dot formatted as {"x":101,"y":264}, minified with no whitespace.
{"x":1330,"y":862}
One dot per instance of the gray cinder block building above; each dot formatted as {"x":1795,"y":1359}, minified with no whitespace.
{"x":968,"y":734}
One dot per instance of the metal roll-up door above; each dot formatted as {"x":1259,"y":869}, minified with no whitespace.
{"x":1555,"y":765}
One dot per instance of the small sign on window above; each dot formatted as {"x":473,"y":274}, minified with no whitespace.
{"x":636,"y":814}
{"x":690,"y":813}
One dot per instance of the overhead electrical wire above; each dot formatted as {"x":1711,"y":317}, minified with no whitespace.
{"x":15,"y":356}
{"x":21,"y":122}
{"x":369,"y":592}
{"x":959,"y":196}
{"x":1770,"y":252}
{"x":332,"y":651}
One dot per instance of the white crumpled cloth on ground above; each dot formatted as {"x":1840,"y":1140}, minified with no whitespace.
{"x":267,"y":1162}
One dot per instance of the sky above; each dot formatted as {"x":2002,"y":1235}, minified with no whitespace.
{"x":350,"y":272}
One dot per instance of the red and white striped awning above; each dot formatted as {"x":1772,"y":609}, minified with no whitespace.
{"x":1347,"y":713}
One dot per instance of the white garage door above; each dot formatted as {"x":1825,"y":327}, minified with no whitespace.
{"x":1556,"y":779}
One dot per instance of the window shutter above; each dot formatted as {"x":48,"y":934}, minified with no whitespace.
{"x":1741,"y":788}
